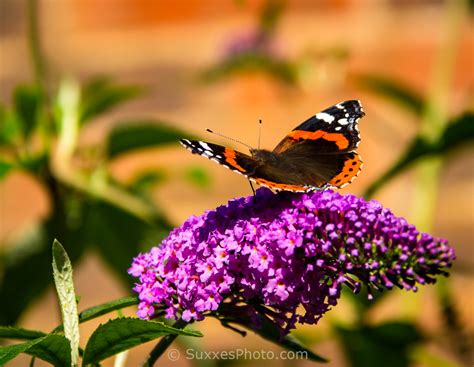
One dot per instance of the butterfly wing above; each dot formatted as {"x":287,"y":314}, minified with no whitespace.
{"x":243,"y":164}
{"x":317,"y":154}
{"x":322,"y":149}
{"x":333,"y":130}
{"x":230,"y":158}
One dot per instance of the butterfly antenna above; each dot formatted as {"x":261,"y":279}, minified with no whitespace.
{"x":234,"y":140}
{"x":259,"y":132}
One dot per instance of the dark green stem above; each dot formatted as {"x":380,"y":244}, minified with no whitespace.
{"x":39,"y":65}
{"x":456,"y":332}
{"x":162,"y":345}
{"x":35,"y":44}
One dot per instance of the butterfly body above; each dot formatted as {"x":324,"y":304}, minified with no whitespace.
{"x":319,"y":153}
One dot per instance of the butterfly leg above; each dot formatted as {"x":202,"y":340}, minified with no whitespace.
{"x":253,"y":190}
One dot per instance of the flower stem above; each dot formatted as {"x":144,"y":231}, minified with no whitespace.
{"x":435,"y":116}
{"x":427,"y":183}
{"x":64,"y":170}
{"x":39,"y":64}
{"x":35,"y":44}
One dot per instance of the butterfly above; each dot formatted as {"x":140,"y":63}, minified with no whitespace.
{"x":320,"y":153}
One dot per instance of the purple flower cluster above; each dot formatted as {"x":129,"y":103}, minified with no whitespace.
{"x":286,"y":256}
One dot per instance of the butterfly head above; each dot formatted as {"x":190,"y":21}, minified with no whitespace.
{"x":262,"y":155}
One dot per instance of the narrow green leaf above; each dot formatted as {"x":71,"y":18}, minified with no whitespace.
{"x":102,"y":309}
{"x":27,"y":102}
{"x":11,"y":332}
{"x":458,"y":132}
{"x":97,"y":311}
{"x":268,"y":331}
{"x":291,"y":343}
{"x":146,"y":180}
{"x":279,"y":69}
{"x":124,"y":333}
{"x":10,"y":352}
{"x":390,"y":342}
{"x":392,"y":90}
{"x":141,"y":134}
{"x":418,"y":148}
{"x":5,"y":168}
{"x":62,"y":272}
{"x":55,"y":349}
{"x":101,"y":95}
{"x":272,"y":333}
{"x":52,"y":348}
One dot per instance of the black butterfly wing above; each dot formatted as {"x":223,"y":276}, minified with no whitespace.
{"x":241,"y":163}
{"x":230,"y":158}
{"x":333,"y":130}
{"x":320,"y":151}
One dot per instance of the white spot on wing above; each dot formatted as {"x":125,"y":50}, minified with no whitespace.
{"x":325,"y":117}
{"x":342,"y":121}
{"x":205,"y":146}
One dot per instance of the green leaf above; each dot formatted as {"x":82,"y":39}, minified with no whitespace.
{"x":52,"y":348}
{"x":145,"y":180}
{"x":27,"y":103}
{"x":361,"y":300}
{"x":5,"y":168}
{"x":390,"y":342}
{"x":141,"y":134}
{"x":197,"y":176}
{"x":279,"y":69}
{"x":19,"y":333}
{"x":458,"y":132}
{"x":28,"y":260}
{"x":271,"y":333}
{"x":10,"y":127}
{"x":102,"y":309}
{"x":62,"y":273}
{"x":101,"y":95}
{"x":118,"y":235}
{"x":393,"y":90}
{"x":124,"y":333}
{"x":97,"y":311}
{"x":36,"y":164}
{"x":268,"y":330}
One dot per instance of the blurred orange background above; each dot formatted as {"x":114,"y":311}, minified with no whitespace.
{"x":164,"y":45}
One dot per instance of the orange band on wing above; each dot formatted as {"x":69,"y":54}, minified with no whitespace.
{"x":230,"y":156}
{"x":350,"y":170}
{"x":340,"y":140}
{"x":280,"y":186}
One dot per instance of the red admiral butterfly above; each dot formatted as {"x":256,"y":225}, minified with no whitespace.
{"x":318,"y":154}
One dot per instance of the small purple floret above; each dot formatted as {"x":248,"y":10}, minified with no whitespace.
{"x":286,"y":256}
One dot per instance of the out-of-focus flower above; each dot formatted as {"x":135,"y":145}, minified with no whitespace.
{"x":284,"y":257}
{"x":252,"y":42}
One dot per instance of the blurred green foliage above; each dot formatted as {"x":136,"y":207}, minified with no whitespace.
{"x":390,"y":342}
{"x":89,"y":209}
{"x":111,"y":338}
{"x":458,"y":132}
